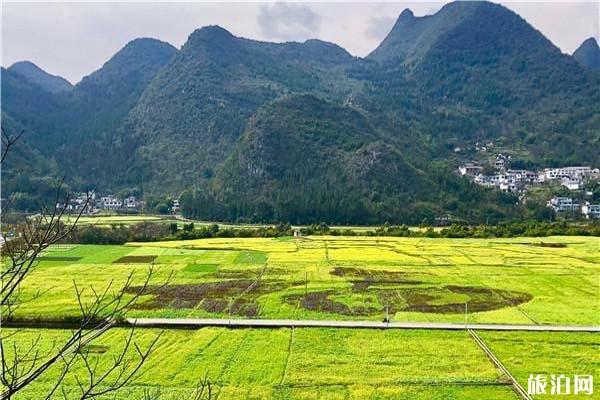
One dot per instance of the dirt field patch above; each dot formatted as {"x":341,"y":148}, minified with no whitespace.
{"x":234,"y":274}
{"x":544,"y":244}
{"x":252,"y":273}
{"x":134,"y":260}
{"x":439,"y":300}
{"x":371,"y":277}
{"x":321,"y":301}
{"x":442,"y":300}
{"x":366,"y":279}
{"x":240,"y":296}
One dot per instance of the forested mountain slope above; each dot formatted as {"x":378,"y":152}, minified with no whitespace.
{"x":304,"y":131}
{"x":482,"y":73}
{"x":588,"y":54}
{"x":35,"y":74}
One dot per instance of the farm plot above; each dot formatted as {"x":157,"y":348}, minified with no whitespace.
{"x":520,"y":280}
{"x":303,"y":363}
{"x":113,"y":220}
{"x":547,"y":354}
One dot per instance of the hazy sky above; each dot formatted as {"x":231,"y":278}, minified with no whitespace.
{"x":74,"y":39}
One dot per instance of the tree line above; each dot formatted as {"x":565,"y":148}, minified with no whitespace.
{"x":157,"y":231}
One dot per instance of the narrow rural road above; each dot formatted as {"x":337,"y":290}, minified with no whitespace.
{"x":289,"y":323}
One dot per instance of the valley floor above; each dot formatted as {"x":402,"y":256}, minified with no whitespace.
{"x":412,"y":280}
{"x":502,"y":281}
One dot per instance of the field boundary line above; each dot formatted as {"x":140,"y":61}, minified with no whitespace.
{"x":527,"y":315}
{"x":289,"y":323}
{"x":289,"y":355}
{"x":516,"y":385}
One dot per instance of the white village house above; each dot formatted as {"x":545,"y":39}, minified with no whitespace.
{"x":590,"y":210}
{"x":577,"y":172}
{"x":561,"y":204}
{"x":130,"y":202}
{"x":110,"y":202}
{"x":470,"y":169}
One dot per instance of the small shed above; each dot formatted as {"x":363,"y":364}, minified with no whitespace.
{"x":297,"y":233}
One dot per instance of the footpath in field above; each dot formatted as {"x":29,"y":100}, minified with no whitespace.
{"x":282,"y":323}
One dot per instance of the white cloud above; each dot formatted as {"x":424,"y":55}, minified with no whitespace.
{"x":74,"y":39}
{"x":288,"y":21}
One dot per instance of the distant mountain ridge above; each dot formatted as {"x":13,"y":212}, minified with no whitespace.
{"x":411,"y":37}
{"x":35,"y":74}
{"x":302,"y":132}
{"x":588,"y":54}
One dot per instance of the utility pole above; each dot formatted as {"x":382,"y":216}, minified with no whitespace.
{"x":387,"y":313}
{"x":305,"y":282}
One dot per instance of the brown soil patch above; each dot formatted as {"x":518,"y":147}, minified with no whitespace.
{"x":134,"y":260}
{"x":232,"y":274}
{"x":414,"y":299}
{"x":430,"y":300}
{"x":248,"y":273}
{"x":241,"y":295}
{"x":372,"y":277}
{"x":544,"y":244}
{"x":320,"y":301}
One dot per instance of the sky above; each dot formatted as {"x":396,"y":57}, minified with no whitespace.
{"x":74,"y":39}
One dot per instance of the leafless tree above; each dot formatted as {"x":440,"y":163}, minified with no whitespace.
{"x":8,"y":141}
{"x":22,"y":364}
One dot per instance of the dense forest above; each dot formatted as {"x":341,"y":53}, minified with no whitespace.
{"x":252,"y":131}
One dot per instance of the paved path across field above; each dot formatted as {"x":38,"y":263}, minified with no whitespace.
{"x":289,"y":323}
{"x":498,"y":364}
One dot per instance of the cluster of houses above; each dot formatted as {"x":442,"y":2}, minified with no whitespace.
{"x":567,"y":204}
{"x":516,"y":180}
{"x":90,"y":203}
{"x":482,"y":147}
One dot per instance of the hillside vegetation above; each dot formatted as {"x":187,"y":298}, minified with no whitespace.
{"x":301,"y":132}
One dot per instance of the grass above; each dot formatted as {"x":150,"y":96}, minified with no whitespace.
{"x":303,"y":363}
{"x":502,"y":280}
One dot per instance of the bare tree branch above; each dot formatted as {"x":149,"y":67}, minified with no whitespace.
{"x":8,"y":142}
{"x":22,"y":365}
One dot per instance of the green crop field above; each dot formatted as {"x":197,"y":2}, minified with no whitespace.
{"x":310,"y":363}
{"x":111,"y":220}
{"x":518,"y":280}
{"x":525,"y":353}
{"x":108,"y":220}
{"x":551,"y":280}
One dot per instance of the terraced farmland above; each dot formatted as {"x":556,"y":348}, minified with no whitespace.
{"x":518,"y":281}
